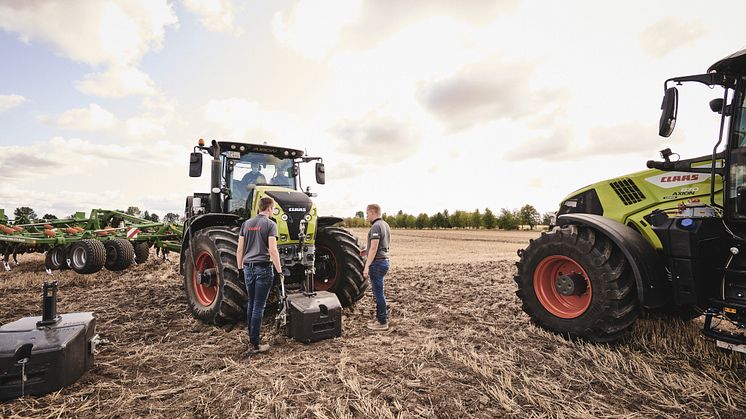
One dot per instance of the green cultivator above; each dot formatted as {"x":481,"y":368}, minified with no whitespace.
{"x":110,"y":239}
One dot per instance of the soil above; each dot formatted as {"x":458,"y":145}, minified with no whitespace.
{"x":459,"y":346}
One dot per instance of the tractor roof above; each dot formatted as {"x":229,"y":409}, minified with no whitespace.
{"x":243,"y":148}
{"x":734,"y":64}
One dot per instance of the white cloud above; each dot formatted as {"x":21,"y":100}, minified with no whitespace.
{"x":10,"y":101}
{"x":313,"y":27}
{"x":113,"y":33}
{"x":91,"y":118}
{"x":117,"y":82}
{"x":77,"y":156}
{"x":243,"y":120}
{"x":215,"y":15}
{"x":669,"y":34}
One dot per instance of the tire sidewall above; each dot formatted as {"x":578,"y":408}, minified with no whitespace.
{"x":200,"y":244}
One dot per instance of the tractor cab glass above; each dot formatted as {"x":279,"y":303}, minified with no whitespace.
{"x":737,"y":174}
{"x":254,"y":169}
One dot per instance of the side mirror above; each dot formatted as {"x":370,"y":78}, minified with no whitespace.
{"x":320,"y":174}
{"x":195,"y":165}
{"x":669,"y":108}
{"x":716,"y":105}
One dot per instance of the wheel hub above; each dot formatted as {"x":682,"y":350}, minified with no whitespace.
{"x":571,"y":284}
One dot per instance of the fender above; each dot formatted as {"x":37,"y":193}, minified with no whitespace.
{"x":198,"y":223}
{"x":640,"y":255}
{"x":327,"y":221}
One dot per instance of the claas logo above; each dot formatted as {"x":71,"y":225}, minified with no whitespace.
{"x":680,"y":178}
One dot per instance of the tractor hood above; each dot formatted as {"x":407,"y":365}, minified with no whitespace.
{"x":296,"y":205}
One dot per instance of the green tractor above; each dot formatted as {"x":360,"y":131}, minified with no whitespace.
{"x":312,"y":249}
{"x":667,"y":239}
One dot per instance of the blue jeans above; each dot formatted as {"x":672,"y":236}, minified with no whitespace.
{"x":259,"y":280}
{"x":376,"y":272}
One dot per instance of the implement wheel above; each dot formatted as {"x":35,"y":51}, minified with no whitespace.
{"x":215,"y":291}
{"x":142,"y":252}
{"x":338,"y":265}
{"x":86,"y":256}
{"x":575,"y":281}
{"x":119,"y":254}
{"x":55,"y":259}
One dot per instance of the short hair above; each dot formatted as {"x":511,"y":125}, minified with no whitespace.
{"x":265,"y":203}
{"x":374,"y":207}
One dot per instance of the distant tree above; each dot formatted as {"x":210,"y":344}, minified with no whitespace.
{"x":508,"y":220}
{"x":390,"y":219}
{"x":446,"y":219}
{"x":422,"y":221}
{"x":437,"y":221}
{"x":154,"y":217}
{"x":528,"y":215}
{"x":476,"y":219}
{"x":24,"y":215}
{"x":411,"y":221}
{"x":359,"y":214}
{"x":170,"y":218}
{"x":401,"y":219}
{"x":488,"y":219}
{"x":546,"y":218}
{"x":133,"y":211}
{"x":146,"y":215}
{"x":49,"y":217}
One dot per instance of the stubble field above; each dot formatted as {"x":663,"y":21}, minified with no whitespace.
{"x":459,"y":346}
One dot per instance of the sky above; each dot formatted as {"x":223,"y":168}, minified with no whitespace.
{"x":418,"y":105}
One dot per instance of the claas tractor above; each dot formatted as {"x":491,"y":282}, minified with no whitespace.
{"x":670,"y":239}
{"x":312,"y":250}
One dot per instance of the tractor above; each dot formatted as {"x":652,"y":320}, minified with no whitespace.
{"x":670,"y":239}
{"x":312,"y":250}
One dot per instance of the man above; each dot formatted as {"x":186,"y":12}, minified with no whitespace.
{"x":254,"y":176}
{"x":377,"y":263}
{"x":258,"y":255}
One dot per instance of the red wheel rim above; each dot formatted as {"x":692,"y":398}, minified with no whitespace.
{"x":545,"y":277}
{"x":205,"y":294}
{"x":326,"y":269}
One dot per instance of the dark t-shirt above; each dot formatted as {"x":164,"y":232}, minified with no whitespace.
{"x":257,"y":231}
{"x":380,"y":230}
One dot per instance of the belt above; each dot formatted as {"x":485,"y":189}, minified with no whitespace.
{"x":381,"y":258}
{"x":257,"y":263}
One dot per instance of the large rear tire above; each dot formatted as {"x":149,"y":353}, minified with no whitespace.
{"x":574,"y":281}
{"x":218,"y":294}
{"x":339,"y":267}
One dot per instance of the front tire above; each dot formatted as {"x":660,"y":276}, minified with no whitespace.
{"x":338,"y":265}
{"x":86,"y":256}
{"x":218,"y":294}
{"x":574,"y":281}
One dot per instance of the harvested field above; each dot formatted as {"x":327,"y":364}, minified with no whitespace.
{"x":459,"y":346}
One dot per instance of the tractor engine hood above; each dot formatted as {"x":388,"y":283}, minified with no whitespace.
{"x":295,"y":205}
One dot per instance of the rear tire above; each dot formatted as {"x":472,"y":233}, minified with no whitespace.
{"x":224,"y":301}
{"x":338,"y":265}
{"x":142,"y":252}
{"x":119,"y":254}
{"x":608,"y":307}
{"x":86,"y":256}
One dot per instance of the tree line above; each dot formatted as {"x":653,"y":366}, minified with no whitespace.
{"x":505,"y":220}
{"x":27,"y":215}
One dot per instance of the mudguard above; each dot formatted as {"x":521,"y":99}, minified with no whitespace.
{"x":327,"y":221}
{"x":642,"y":257}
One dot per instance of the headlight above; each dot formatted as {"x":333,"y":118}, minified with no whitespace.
{"x":276,"y":211}
{"x":283,"y":237}
{"x":284,"y":217}
{"x":307,"y":217}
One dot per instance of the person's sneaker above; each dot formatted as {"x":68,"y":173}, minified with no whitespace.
{"x":377,"y":326}
{"x":258,"y":349}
